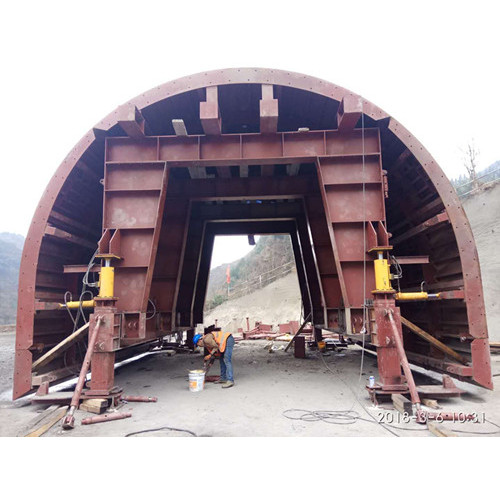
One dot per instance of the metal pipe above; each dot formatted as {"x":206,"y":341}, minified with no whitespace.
{"x":69,"y":419}
{"x":404,"y":362}
{"x":105,"y":418}
{"x":139,"y":399}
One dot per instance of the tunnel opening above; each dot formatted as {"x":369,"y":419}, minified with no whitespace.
{"x":242,"y":288}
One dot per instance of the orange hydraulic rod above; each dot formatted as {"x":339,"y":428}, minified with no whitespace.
{"x":69,"y":419}
{"x":105,"y":418}
{"x":404,"y":362}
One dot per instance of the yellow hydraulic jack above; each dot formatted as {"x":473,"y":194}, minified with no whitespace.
{"x":382,"y":273}
{"x":106,"y":288}
{"x":383,"y":281}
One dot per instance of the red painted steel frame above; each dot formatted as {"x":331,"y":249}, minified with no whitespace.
{"x":334,"y":168}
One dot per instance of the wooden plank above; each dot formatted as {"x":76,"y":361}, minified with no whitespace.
{"x":53,"y":375}
{"x":48,"y":423}
{"x":495,"y":347}
{"x":439,"y":430}
{"x":402,"y":404}
{"x":434,"y":341}
{"x":59,"y":348}
{"x":33,"y":423}
{"x":197,"y":172}
{"x":179,"y":127}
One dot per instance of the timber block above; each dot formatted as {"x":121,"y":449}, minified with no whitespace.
{"x":97,"y":406}
{"x":431,"y":403}
{"x":402,"y":404}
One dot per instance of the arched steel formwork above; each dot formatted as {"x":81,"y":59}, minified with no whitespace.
{"x":250,"y":151}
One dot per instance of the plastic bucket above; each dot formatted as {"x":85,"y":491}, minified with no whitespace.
{"x":196,"y":380}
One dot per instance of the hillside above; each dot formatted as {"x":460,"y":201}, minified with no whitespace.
{"x":272,"y":252}
{"x":275,"y":303}
{"x":482,"y":209}
{"x":464,"y":186}
{"x":11,"y":247}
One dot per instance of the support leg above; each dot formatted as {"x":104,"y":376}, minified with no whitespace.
{"x":387,"y":354}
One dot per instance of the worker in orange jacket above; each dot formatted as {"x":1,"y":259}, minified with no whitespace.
{"x":221,"y":345}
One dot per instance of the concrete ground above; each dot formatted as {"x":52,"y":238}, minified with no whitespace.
{"x":267,"y":385}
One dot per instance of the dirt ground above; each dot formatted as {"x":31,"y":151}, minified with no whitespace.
{"x":267,"y":385}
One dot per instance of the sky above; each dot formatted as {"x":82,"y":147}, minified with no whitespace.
{"x":431,"y":65}
{"x":227,"y":249}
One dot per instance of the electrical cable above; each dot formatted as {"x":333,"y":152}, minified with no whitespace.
{"x":476,"y":433}
{"x":480,"y":433}
{"x":76,"y":319}
{"x":347,"y":415}
{"x":161,"y":429}
{"x":84,"y":289}
{"x":66,"y":295}
{"x":80,"y":306}
{"x":399,"y":271}
{"x":356,"y":396}
{"x":338,"y":417}
{"x":154,"y":310}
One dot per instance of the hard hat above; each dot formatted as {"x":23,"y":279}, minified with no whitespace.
{"x":196,"y":338}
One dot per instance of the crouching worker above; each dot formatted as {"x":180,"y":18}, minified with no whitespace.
{"x":220,"y":345}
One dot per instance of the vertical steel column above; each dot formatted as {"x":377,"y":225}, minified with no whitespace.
{"x":387,"y":354}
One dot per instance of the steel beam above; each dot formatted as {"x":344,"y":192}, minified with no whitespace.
{"x":268,"y":111}
{"x":210,"y":114}
{"x":349,"y":113}
{"x":131,"y":121}
{"x":437,"y":219}
{"x":239,"y":149}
